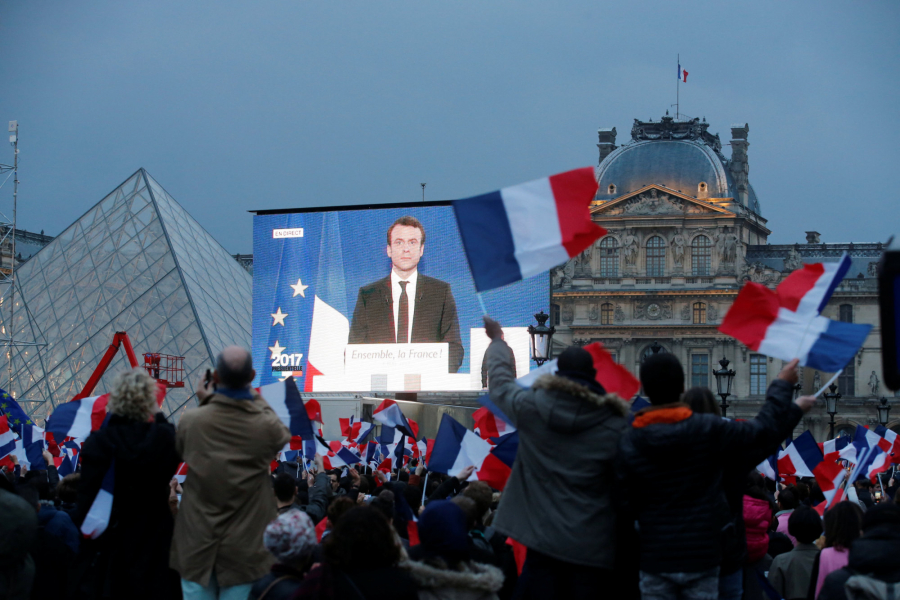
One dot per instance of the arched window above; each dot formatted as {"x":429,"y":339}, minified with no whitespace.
{"x":656,"y":257}
{"x":606,"y":314}
{"x":609,"y":257}
{"x":701,"y":256}
{"x":699,"y":312}
{"x":612,"y":189}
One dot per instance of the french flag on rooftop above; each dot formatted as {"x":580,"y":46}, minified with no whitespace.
{"x":456,"y":448}
{"x":786,"y":324}
{"x":526,"y":229}
{"x":77,"y":419}
{"x":389,"y":413}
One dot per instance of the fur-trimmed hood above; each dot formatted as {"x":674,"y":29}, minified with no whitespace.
{"x":477,"y":579}
{"x":567,"y":386}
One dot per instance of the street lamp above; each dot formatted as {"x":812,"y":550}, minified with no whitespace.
{"x":540,"y":338}
{"x":655,"y":347}
{"x":724,"y":378}
{"x":831,"y":400}
{"x":884,"y":410}
{"x":797,"y":387}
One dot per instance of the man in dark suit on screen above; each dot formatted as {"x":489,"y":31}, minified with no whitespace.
{"x":406,"y":306}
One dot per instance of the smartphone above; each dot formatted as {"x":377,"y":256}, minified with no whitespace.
{"x":207,"y":379}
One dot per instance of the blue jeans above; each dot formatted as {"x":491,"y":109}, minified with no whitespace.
{"x":731,"y":587}
{"x":680,"y":586}
{"x":195,"y":591}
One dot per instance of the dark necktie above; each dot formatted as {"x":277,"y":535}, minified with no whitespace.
{"x":403,"y":315}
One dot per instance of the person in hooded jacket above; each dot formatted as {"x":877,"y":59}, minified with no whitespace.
{"x":558,"y":499}
{"x":682,"y":532}
{"x":130,"y":559}
{"x":445,"y":570}
{"x":873,"y":567}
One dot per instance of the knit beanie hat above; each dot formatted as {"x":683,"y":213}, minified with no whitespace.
{"x":442,"y":531}
{"x":291,"y":536}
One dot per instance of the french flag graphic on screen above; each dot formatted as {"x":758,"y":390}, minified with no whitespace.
{"x":526,"y":229}
{"x":330,"y":328}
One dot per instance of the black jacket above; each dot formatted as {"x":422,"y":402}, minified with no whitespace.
{"x":434,"y":319}
{"x":685,"y":521}
{"x":134,"y":549}
{"x":279,"y":584}
{"x":877,"y":554}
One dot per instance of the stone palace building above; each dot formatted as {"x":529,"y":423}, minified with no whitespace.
{"x":685,"y":231}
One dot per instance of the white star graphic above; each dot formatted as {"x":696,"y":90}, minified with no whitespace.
{"x":278,"y":317}
{"x":276,"y":350}
{"x":299,"y":289}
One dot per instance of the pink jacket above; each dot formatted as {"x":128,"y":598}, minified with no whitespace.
{"x":830,"y":560}
{"x":783,"y":526}
{"x":757,"y":516}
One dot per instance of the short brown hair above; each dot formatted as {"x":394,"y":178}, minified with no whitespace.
{"x":338,"y":507}
{"x":67,"y":490}
{"x":481,"y":494}
{"x":406,"y":221}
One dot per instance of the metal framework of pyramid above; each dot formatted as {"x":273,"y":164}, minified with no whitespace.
{"x":135,"y":262}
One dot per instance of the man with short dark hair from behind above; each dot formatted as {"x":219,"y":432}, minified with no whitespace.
{"x":685,"y":454}
{"x":791,"y":573}
{"x":229,"y":441}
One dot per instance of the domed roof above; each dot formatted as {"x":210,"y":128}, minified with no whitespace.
{"x":679,"y":155}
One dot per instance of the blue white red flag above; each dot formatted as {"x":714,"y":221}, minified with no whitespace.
{"x":335,"y":455}
{"x":682,"y":73}
{"x":389,"y":413}
{"x":65,"y":467}
{"x":285,"y":400}
{"x":97,"y":519}
{"x":330,"y":328}
{"x":456,"y":448}
{"x":870,"y":462}
{"x":786,"y":324}
{"x":893,"y":439}
{"x":863,"y":439}
{"x":769,"y":467}
{"x":77,"y":419}
{"x":614,"y":378}
{"x":356,"y":431}
{"x":526,"y":229}
{"x":832,"y":448}
{"x":488,"y":425}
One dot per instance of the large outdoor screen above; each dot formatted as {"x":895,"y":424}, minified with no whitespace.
{"x":377,"y":299}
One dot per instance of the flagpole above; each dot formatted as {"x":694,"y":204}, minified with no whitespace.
{"x":678,"y":90}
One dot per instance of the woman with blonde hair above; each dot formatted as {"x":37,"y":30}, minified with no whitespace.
{"x":130,"y":558}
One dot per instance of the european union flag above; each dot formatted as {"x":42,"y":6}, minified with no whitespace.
{"x":17,"y":416}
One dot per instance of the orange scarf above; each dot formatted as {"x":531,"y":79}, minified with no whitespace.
{"x":666,"y":413}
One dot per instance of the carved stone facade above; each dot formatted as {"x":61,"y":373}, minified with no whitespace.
{"x":677,"y":260}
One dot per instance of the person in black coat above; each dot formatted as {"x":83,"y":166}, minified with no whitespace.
{"x":130,"y":558}
{"x":685,"y":454}
{"x":874,"y":561}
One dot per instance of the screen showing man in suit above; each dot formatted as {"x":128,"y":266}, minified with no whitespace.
{"x":407,"y":306}
{"x":363,"y":299}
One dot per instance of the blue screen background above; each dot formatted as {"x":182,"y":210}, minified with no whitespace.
{"x":340,"y":251}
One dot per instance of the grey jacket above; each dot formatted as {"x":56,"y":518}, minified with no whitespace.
{"x":558,"y":497}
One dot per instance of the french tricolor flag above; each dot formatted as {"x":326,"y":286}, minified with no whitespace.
{"x":334,"y":455}
{"x":389,"y":413}
{"x":181,"y":472}
{"x":488,"y":425}
{"x":456,"y":448}
{"x":832,"y":448}
{"x":786,"y":324}
{"x":97,"y":518}
{"x":893,"y":439}
{"x":285,"y":400}
{"x":77,"y":419}
{"x":526,"y":229}
{"x":356,"y":431}
{"x":863,"y":439}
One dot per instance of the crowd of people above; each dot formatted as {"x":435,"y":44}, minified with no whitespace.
{"x":662,"y":504}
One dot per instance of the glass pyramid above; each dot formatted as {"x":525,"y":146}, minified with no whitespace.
{"x":136,"y":262}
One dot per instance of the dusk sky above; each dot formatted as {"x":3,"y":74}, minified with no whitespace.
{"x":234,"y":106}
